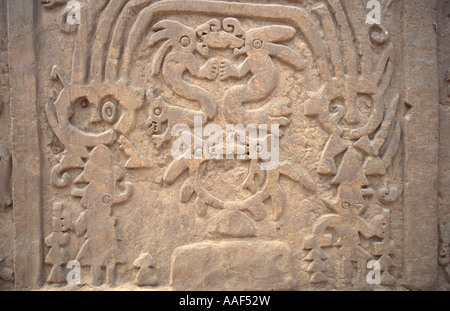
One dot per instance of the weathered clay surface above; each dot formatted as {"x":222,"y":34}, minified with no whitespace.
{"x":233,"y":265}
{"x":126,"y":157}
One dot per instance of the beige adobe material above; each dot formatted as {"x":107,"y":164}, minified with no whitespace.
{"x":126,"y":145}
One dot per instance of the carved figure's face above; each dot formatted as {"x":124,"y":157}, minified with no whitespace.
{"x":95,"y":115}
{"x":157,"y":116}
{"x":444,"y":250}
{"x":62,"y":220}
{"x":351,"y":114}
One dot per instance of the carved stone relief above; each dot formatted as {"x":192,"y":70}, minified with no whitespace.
{"x":215,"y":145}
{"x":358,"y":110}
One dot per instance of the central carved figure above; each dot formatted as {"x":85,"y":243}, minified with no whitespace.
{"x":176,"y":56}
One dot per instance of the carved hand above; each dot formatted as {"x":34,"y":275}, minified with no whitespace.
{"x":209,"y":70}
{"x":227,"y":69}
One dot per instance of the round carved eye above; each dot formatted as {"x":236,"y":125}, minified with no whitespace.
{"x":185,"y":41}
{"x":378,"y":35}
{"x":157,"y":112}
{"x":109,"y":111}
{"x":257,"y":44}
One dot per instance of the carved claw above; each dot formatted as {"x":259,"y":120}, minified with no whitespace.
{"x":282,"y":121}
{"x":277,"y":109}
{"x":125,"y":195}
{"x":278,"y":202}
{"x":209,"y":70}
{"x":227,"y":69}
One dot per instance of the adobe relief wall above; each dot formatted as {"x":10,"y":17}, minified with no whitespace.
{"x":360,"y":182}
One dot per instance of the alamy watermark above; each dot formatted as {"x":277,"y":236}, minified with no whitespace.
{"x":74,"y":14}
{"x":74,"y":275}
{"x":374,"y":275}
{"x":239,"y":142}
{"x":374,"y":16}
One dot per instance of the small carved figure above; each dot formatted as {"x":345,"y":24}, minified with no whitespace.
{"x":357,"y":107}
{"x":385,"y":249}
{"x":161,"y":113}
{"x":176,"y":56}
{"x":145,"y":276}
{"x":57,"y":257}
{"x":348,"y":225}
{"x":112,"y":108}
{"x":101,"y":248}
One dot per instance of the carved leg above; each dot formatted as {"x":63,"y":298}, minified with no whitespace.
{"x":96,"y":275}
{"x":346,"y":269}
{"x":110,"y":274}
{"x":360,"y":282}
{"x":57,"y":275}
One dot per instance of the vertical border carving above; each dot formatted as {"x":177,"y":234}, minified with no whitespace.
{"x":420,"y":139}
{"x":26,"y":175}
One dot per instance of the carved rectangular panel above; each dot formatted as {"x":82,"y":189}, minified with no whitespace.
{"x":223,"y":145}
